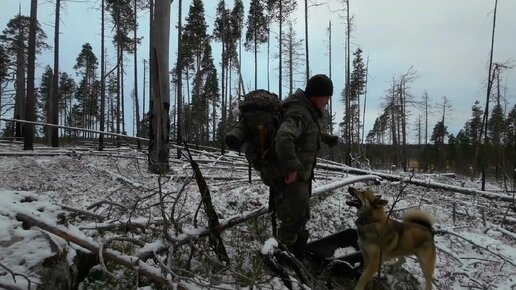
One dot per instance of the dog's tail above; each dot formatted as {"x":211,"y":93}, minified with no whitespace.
{"x":420,"y":217}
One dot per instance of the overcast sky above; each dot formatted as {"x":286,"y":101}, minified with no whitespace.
{"x":446,"y":42}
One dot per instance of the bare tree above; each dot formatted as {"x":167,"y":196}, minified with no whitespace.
{"x":136,"y":101}
{"x":347,"y":101}
{"x":102,"y":77}
{"x":293,"y":57}
{"x":427,"y":108}
{"x":329,"y":74}
{"x":405,"y":100}
{"x":179,"y":73}
{"x":53,"y":111}
{"x":306,"y":42}
{"x":486,"y":111}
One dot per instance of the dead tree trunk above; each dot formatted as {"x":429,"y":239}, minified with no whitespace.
{"x":54,"y":97}
{"x":102,"y":80}
{"x":347,"y":88}
{"x":179,"y":76}
{"x":31,"y":98}
{"x":160,"y":94}
{"x":137,"y":102}
{"x":486,"y":112}
{"x":306,"y":42}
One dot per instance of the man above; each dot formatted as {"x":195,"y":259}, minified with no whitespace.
{"x":296,"y":145}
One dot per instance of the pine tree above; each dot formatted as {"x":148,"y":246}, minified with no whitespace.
{"x":439,"y":133}
{"x":510,"y":128}
{"x":30,"y":114}
{"x":123,"y":17}
{"x":86,"y":66}
{"x":237,"y":23}
{"x":54,"y":102}
{"x":14,"y":39}
{"x":473,"y":127}
{"x":210,"y":91}
{"x":293,"y":56}
{"x":4,"y":65}
{"x":496,"y":125}
{"x":220,"y":33}
{"x":194,"y":40}
{"x":45,"y":92}
{"x":280,"y":10}
{"x":67,"y":88}
{"x":257,"y":32}
{"x":356,"y":89}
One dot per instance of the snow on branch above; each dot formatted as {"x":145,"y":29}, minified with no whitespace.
{"x":130,"y":262}
{"x":418,"y":182}
{"x":186,"y":237}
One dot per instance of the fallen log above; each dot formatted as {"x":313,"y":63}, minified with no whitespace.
{"x":130,"y":262}
{"x":418,"y":182}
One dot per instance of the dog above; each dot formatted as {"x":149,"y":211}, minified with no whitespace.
{"x":381,"y":238}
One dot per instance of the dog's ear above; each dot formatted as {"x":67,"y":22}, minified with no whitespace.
{"x":380,"y":202}
{"x":353,"y":191}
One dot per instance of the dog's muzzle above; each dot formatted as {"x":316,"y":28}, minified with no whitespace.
{"x":354,"y":200}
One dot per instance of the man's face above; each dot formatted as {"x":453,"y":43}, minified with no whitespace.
{"x":320,"y":102}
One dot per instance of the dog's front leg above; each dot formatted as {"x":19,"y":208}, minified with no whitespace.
{"x":365,"y":256}
{"x":371,"y":264}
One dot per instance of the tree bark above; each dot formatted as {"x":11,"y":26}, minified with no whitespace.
{"x":136,"y":101}
{"x":347,"y":89}
{"x":486,"y":112}
{"x":306,"y":42}
{"x":54,"y":99}
{"x":19,"y":106}
{"x":160,"y":98}
{"x":31,"y":98}
{"x":102,"y":79}
{"x":329,"y":70}
{"x":280,"y":37}
{"x":179,"y":126}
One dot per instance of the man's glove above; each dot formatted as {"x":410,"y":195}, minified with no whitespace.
{"x":330,"y":140}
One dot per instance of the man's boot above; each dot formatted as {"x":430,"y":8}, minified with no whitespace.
{"x":298,"y":249}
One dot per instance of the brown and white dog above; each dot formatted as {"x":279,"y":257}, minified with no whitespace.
{"x":381,"y":238}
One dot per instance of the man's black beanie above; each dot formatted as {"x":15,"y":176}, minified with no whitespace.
{"x":319,"y":86}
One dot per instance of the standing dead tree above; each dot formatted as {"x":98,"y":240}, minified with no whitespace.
{"x":160,"y":94}
{"x":482,"y":160}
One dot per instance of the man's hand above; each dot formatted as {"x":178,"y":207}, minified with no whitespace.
{"x":291,"y":177}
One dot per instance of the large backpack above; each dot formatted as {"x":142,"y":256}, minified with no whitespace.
{"x":260,"y":113}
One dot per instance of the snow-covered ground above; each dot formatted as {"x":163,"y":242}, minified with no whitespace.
{"x":475,"y":235}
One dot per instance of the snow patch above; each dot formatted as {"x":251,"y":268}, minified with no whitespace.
{"x":269,"y":246}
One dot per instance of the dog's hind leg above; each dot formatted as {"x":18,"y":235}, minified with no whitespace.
{"x":372,"y":262}
{"x":426,"y":258}
{"x":401,"y":260}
